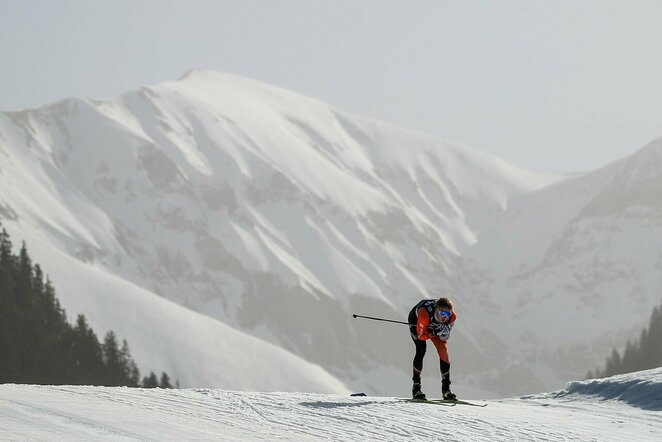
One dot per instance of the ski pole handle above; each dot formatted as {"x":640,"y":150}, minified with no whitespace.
{"x":382,"y":319}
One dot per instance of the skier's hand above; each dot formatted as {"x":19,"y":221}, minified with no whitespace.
{"x":433,"y":329}
{"x":440,"y":330}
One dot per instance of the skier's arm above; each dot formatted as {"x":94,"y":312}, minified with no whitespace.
{"x":422,"y":324}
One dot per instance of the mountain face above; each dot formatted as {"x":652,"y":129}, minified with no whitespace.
{"x":276,"y":217}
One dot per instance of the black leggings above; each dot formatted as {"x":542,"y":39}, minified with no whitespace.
{"x":421,"y":348}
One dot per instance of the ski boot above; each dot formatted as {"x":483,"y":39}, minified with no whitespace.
{"x":448,"y":395}
{"x":446,"y":392}
{"x":416,"y":392}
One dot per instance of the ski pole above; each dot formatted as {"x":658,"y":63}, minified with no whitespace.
{"x":381,"y":319}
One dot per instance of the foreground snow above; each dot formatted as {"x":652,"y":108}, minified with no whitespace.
{"x":621,"y":408}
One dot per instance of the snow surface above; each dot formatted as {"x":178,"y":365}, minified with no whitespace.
{"x":277,"y":216}
{"x":622,"y":408}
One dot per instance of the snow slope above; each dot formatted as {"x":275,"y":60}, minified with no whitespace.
{"x":279,"y":216}
{"x":191,"y":347}
{"x":623,"y":408}
{"x":576,"y":252}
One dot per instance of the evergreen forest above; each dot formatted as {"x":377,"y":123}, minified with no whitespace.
{"x":643,"y":354}
{"x":39,"y":346}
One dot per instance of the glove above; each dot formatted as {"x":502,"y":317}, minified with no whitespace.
{"x":441,"y":331}
{"x":433,"y":329}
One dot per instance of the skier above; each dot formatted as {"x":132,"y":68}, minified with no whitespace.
{"x":432,"y":319}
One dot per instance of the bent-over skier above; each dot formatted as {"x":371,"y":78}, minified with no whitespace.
{"x":432,"y":320}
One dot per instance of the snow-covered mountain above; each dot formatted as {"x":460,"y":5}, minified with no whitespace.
{"x":276,"y":216}
{"x":622,"y":408}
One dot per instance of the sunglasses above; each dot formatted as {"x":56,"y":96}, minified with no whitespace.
{"x":444,"y":314}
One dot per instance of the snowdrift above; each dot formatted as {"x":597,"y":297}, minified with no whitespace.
{"x":641,"y":389}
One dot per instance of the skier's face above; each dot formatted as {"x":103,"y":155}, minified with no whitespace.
{"x":442,"y":314}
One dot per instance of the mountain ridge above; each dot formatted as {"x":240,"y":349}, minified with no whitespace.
{"x":259,"y":208}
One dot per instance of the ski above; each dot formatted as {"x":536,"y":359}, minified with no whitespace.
{"x":443,"y":402}
{"x":456,"y":402}
{"x":425,"y":401}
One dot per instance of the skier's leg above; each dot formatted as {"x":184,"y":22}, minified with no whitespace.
{"x":444,"y":368}
{"x":418,"y":359}
{"x":417,"y":368}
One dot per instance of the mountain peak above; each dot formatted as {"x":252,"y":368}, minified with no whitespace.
{"x":207,"y":75}
{"x":209,"y":79}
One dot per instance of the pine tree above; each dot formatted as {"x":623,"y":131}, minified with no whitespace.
{"x":642,"y":357}
{"x":6,"y":256}
{"x":9,"y":325}
{"x":130,"y":370}
{"x":112,"y":357}
{"x":150,"y":381}
{"x":652,"y":345}
{"x":134,"y":374}
{"x":165,"y":381}
{"x":38,"y":281}
{"x":87,"y":366}
{"x":25,"y":265}
{"x":613,"y":364}
{"x":30,"y":326}
{"x":629,"y":361}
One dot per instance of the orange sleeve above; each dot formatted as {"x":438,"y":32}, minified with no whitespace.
{"x":422,"y":324}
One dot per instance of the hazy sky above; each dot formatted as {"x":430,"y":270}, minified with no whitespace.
{"x":547,"y":85}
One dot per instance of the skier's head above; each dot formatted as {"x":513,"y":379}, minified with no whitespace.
{"x":443,"y":309}
{"x":444,"y":303}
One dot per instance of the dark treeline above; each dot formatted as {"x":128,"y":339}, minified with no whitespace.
{"x":39,"y":346}
{"x":644,"y":354}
